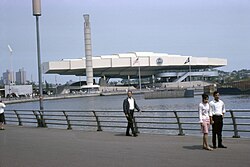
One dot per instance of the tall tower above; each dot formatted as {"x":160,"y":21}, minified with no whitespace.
{"x":88,"y":50}
{"x":21,"y":77}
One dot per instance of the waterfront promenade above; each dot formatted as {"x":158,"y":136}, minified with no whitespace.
{"x":39,"y":147}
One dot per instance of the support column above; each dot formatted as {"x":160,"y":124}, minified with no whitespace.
{"x":88,"y":50}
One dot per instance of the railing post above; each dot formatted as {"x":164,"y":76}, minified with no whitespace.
{"x":135,"y":126}
{"x":97,"y":121}
{"x":4,"y":120}
{"x":18,"y":118}
{"x":68,"y":121}
{"x":43,"y":124}
{"x":179,"y":124}
{"x":39,"y":121}
{"x":236,"y":135}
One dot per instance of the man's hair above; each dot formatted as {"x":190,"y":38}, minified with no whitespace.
{"x":129,"y":91}
{"x":204,"y":96}
{"x":215,"y":92}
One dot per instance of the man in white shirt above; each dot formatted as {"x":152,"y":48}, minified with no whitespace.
{"x":216,"y":113}
{"x":129,"y":105}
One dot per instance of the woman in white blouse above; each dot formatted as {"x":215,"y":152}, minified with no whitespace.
{"x":204,"y":120}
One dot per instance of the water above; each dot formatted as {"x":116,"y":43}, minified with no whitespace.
{"x":107,"y":103}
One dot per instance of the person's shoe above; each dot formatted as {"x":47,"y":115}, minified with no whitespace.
{"x":128,"y":135}
{"x":2,"y":128}
{"x":135,"y":135}
{"x":214,"y":147}
{"x":209,"y":149}
{"x":222,"y":146}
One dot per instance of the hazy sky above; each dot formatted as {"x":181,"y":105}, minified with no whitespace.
{"x":210,"y":28}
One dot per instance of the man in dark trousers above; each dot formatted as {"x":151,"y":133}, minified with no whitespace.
{"x":129,"y":106}
{"x":217,"y":111}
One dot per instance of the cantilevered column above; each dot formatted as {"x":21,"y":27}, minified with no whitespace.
{"x":88,"y":50}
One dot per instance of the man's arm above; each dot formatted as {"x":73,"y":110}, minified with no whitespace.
{"x":2,"y":105}
{"x":136,"y":106}
{"x":125,"y":107}
{"x":211,"y":113}
{"x":223,"y":109}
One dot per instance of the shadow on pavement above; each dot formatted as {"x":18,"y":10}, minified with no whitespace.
{"x":194,"y":147}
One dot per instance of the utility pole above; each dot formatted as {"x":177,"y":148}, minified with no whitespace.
{"x":37,"y":13}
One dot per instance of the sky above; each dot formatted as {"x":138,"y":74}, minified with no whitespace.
{"x":202,"y":28}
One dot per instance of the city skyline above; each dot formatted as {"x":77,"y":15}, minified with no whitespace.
{"x":11,"y":77}
{"x":188,"y":27}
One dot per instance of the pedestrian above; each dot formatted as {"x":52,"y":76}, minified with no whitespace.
{"x":217,"y":110}
{"x":2,"y":106}
{"x":204,"y":120}
{"x":129,"y":106}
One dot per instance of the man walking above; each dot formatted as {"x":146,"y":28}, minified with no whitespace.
{"x":129,"y":105}
{"x":217,"y":111}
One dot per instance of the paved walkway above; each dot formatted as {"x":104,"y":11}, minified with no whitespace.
{"x":42,"y":147}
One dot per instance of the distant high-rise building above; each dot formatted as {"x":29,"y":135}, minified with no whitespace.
{"x":1,"y":81}
{"x":21,"y":77}
{"x":8,"y":77}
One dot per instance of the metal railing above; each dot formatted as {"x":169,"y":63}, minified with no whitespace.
{"x":163,"y":122}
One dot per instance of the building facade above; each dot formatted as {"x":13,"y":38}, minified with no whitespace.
{"x":8,"y":77}
{"x":21,"y":77}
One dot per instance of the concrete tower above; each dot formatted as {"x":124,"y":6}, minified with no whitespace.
{"x":88,"y":51}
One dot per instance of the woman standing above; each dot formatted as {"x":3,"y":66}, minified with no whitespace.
{"x":2,"y":105}
{"x":204,"y":120}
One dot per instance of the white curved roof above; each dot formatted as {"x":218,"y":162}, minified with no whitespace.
{"x":124,"y":64}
